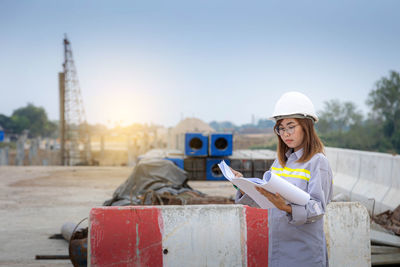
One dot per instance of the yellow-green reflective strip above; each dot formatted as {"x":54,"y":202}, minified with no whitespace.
{"x":292,"y":170}
{"x":294,"y":176}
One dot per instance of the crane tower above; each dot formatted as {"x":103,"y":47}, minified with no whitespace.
{"x":73,"y":126}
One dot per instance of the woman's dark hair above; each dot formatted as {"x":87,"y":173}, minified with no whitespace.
{"x":311,"y":142}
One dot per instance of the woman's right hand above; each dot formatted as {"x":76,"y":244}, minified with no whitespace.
{"x":237,"y":175}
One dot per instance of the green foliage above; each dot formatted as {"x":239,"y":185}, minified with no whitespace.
{"x":5,"y":122}
{"x":19,"y":123}
{"x":272,"y":146}
{"x":341,"y":125}
{"x":338,"y":117}
{"x":263,"y":124}
{"x":31,"y":118}
{"x":365,"y":136}
{"x":385,"y":103}
{"x":224,"y":126}
{"x":227,"y":126}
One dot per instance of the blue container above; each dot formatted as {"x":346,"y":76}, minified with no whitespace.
{"x":196,"y":144}
{"x":220,"y":144}
{"x":1,"y":136}
{"x":213,"y":173}
{"x":178,"y":162}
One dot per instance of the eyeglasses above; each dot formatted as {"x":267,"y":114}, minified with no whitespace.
{"x":282,"y":130}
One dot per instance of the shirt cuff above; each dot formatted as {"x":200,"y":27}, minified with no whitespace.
{"x":298,"y":216}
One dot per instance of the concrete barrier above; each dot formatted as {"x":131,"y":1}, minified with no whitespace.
{"x":347,"y":232}
{"x":368,"y":177}
{"x":4,"y":156}
{"x":200,"y":235}
{"x":391,"y":199}
{"x":374,"y":181}
{"x":212,"y":235}
{"x":346,"y":169}
{"x":332,"y":155}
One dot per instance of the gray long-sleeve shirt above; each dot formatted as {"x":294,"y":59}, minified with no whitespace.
{"x":298,"y":239}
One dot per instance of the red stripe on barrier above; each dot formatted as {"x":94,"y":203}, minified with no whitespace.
{"x":119,"y":237}
{"x":257,"y":236}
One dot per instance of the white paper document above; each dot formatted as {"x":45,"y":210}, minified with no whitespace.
{"x":271,"y":182}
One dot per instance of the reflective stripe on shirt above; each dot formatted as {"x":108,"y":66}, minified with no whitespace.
{"x":293,"y":173}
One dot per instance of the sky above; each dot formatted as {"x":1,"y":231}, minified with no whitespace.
{"x":223,"y":60}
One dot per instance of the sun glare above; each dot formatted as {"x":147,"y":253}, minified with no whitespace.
{"x":123,"y":109}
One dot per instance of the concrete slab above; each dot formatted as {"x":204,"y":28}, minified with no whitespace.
{"x":347,"y":171}
{"x":347,"y":230}
{"x":391,"y":199}
{"x":375,"y":180}
{"x":387,"y":239}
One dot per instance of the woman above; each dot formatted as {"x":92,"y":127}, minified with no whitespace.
{"x":296,"y":234}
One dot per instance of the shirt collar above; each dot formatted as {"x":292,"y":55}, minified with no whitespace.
{"x":298,"y":153}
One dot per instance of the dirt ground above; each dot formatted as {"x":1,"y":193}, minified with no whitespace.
{"x":36,"y":201}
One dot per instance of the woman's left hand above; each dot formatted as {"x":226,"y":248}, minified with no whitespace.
{"x":276,"y":199}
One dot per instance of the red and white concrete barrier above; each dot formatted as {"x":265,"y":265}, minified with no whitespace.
{"x":198,"y":235}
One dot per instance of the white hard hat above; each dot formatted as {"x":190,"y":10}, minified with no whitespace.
{"x":294,"y":105}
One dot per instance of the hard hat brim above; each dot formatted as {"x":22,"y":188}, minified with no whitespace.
{"x":295,"y":116}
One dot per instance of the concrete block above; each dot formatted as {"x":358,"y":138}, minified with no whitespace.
{"x":332,"y":155}
{"x":347,"y":171}
{"x":199,"y":235}
{"x":260,"y":166}
{"x":383,"y":238}
{"x":392,"y":198}
{"x":374,"y":180}
{"x":195,"y":168}
{"x":212,"y":235}
{"x":4,"y":156}
{"x":347,"y":231}
{"x":245,"y":166}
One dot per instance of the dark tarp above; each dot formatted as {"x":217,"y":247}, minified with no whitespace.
{"x":151,"y":177}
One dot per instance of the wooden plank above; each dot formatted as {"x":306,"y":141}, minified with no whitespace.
{"x":384,"y":250}
{"x":384,"y":259}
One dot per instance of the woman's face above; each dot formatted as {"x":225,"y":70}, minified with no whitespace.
{"x":292,"y":133}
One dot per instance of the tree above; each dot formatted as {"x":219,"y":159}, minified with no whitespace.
{"x":36,"y":117}
{"x":223,"y":126}
{"x":265,"y":123}
{"x":6,"y":122}
{"x":338,"y":117}
{"x":31,"y":118}
{"x":19,"y":124}
{"x":385,"y":103}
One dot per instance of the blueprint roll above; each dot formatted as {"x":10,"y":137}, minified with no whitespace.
{"x":270,"y":182}
{"x":220,"y":144}
{"x":196,"y":144}
{"x":287,"y":190}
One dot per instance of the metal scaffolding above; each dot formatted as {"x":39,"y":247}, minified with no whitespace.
{"x":74,"y":132}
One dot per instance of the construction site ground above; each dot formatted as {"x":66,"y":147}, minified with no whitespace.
{"x":36,"y":201}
